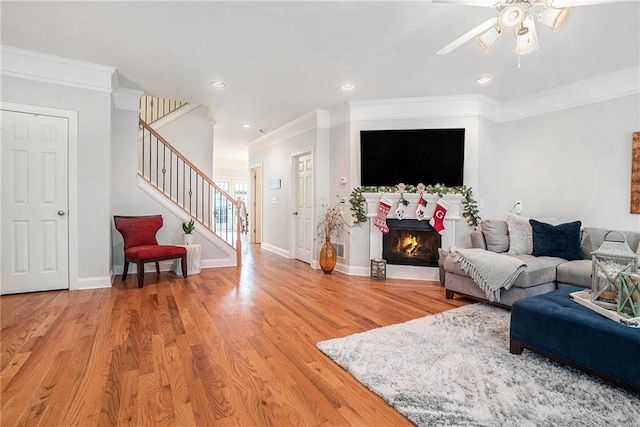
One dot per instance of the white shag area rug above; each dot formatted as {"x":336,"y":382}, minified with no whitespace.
{"x":454,"y":369}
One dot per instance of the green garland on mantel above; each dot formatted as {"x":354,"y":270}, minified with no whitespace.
{"x":469,"y":205}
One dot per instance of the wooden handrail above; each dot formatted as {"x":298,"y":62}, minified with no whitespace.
{"x":184,"y":159}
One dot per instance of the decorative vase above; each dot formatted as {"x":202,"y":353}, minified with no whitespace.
{"x":327,"y":257}
{"x":187,"y":239}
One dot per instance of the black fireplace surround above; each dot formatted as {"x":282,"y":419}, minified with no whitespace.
{"x":411,"y":242}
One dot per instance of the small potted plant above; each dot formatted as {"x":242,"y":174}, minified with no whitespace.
{"x":188,"y":228}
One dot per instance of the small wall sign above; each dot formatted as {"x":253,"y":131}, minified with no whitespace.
{"x":275,"y":184}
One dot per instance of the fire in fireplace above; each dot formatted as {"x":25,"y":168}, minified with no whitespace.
{"x":411,"y":242}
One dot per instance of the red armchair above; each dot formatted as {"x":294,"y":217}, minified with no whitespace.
{"x":141,"y":246}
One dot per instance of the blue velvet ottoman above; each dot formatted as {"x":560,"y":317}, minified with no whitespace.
{"x":562,"y":330}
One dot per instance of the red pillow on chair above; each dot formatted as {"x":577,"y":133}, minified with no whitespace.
{"x":154,"y":251}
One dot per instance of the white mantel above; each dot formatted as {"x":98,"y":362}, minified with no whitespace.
{"x":453,"y":215}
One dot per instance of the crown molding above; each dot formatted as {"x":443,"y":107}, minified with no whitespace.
{"x":175,"y":115}
{"x":584,"y":92}
{"x":310,"y":121}
{"x":426,"y":107}
{"x":127,"y":99}
{"x":26,"y":64}
{"x":340,"y":115}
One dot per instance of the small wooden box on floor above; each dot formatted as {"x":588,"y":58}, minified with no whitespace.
{"x":378,"y":269}
{"x":194,"y":260}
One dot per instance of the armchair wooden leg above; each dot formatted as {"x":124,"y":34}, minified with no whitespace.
{"x":157,"y":267}
{"x":183,"y":262}
{"x":140,"y":273}
{"x":125,"y":270}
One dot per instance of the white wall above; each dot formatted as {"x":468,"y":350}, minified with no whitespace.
{"x":230,"y":169}
{"x":340,"y":166}
{"x":276,"y":152}
{"x":192,"y":135}
{"x":489,"y":157}
{"x":571,"y":164}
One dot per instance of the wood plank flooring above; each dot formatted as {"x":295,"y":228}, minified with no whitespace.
{"x":228,"y":347}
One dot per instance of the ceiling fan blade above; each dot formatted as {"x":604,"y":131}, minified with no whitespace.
{"x":486,"y":25}
{"x":574,"y":3}
{"x":483,"y":3}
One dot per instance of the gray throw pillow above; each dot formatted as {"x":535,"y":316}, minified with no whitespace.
{"x":521,"y":234}
{"x":495,"y":234}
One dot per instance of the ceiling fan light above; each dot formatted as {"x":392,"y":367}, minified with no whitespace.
{"x":527,"y":39}
{"x":486,"y":39}
{"x":555,"y":19}
{"x":512,"y":16}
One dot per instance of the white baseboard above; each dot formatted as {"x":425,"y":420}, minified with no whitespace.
{"x":398,"y":272}
{"x":215,"y":263}
{"x":91,"y":283}
{"x":148,"y":268}
{"x":169,"y":266}
{"x":275,"y":249}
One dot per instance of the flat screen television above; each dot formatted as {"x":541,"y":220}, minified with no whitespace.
{"x":430,"y":156}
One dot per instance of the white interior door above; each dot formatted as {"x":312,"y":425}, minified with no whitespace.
{"x":304,"y":208}
{"x":35,"y":227}
{"x":255,"y":205}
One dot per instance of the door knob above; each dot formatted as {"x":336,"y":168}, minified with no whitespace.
{"x":295,"y":213}
{"x":61,"y":213}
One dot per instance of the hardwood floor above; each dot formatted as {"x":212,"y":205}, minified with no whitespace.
{"x":226,"y":347}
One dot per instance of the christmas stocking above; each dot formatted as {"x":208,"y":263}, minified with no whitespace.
{"x":437,"y":220}
{"x":383,"y":210}
{"x":422,"y":204}
{"x":401,"y":204}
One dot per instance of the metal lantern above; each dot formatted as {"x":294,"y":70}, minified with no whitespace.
{"x":629,"y":295}
{"x":608,"y":261}
{"x":378,"y":269}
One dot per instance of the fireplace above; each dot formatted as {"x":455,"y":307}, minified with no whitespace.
{"x":411,"y":242}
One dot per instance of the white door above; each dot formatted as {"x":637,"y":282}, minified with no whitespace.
{"x":35,"y":252}
{"x":304,"y":208}
{"x":255,"y":206}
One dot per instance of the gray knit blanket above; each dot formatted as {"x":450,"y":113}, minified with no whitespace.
{"x":491,"y":271}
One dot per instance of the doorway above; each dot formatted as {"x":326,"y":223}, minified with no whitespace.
{"x":35,"y":204}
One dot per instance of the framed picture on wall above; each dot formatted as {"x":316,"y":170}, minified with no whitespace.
{"x":635,"y":174}
{"x":275,"y":184}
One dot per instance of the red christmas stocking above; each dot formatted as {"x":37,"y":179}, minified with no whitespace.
{"x":437,"y":220}
{"x":422,"y":205}
{"x":383,"y":210}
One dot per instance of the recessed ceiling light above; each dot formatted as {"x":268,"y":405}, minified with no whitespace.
{"x":348,"y":87}
{"x":218,"y":84}
{"x":246,"y":125}
{"x":483,"y":80}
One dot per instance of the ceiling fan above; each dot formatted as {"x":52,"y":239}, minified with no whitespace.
{"x":519,"y":16}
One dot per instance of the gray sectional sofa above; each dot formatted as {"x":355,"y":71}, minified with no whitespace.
{"x":543,"y":273}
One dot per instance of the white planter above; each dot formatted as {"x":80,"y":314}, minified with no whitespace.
{"x":187,"y":239}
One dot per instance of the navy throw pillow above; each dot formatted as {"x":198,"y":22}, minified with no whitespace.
{"x":561,"y":241}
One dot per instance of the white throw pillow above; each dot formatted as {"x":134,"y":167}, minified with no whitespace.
{"x":521,"y":234}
